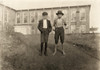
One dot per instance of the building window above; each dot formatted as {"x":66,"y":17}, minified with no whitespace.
{"x":39,"y":15}
{"x":73,"y":28}
{"x":65,"y":11}
{"x":25,"y":17}
{"x":6,"y":16}
{"x":83,"y":28}
{"x":18,"y":17}
{"x":82,"y":14}
{"x":32,"y":17}
{"x":73,"y":15}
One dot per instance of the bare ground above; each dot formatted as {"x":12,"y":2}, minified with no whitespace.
{"x":23,"y":54}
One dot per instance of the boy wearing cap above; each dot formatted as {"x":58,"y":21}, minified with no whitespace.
{"x":45,"y":28}
{"x":58,"y":27}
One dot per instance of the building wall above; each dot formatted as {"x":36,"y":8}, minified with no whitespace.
{"x":7,"y":17}
{"x":1,"y":18}
{"x":77,"y":18}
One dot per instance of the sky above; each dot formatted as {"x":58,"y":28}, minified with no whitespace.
{"x":34,"y":4}
{"x":26,"y":4}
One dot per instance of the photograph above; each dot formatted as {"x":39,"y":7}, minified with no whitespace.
{"x":49,"y":34}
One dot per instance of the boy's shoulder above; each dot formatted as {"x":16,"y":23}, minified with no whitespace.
{"x":48,"y":20}
{"x":41,"y":20}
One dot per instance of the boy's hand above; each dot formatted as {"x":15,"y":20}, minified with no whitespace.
{"x":66,"y":27}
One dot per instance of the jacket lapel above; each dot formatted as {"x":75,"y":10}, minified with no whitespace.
{"x":42,"y":23}
{"x":47,"y":23}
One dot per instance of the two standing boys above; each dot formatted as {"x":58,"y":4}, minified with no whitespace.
{"x":45,"y":28}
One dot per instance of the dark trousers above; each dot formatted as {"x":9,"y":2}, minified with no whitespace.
{"x":44,"y":35}
{"x":59,"y":32}
{"x":42,"y":44}
{"x":44,"y":40}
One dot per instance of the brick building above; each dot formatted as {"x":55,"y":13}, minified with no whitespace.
{"x":26,"y":21}
{"x":7,"y":17}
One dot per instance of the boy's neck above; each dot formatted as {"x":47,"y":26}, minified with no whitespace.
{"x":44,"y":18}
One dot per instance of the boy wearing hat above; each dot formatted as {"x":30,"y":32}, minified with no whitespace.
{"x":59,"y":24}
{"x":45,"y":28}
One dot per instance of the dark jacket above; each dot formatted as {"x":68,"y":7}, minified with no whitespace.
{"x":41,"y":29}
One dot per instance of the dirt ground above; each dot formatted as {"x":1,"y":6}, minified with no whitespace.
{"x":23,"y":54}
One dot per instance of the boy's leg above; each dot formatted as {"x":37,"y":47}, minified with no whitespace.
{"x":55,"y":49}
{"x":56,"y":41}
{"x":45,"y":52}
{"x":41,"y":48}
{"x":63,"y":49}
{"x":46,"y":43}
{"x":42,"y":43}
{"x":62,"y":40}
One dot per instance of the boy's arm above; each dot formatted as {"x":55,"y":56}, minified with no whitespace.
{"x":65,"y":24}
{"x":50,"y":27}
{"x":54,"y":24}
{"x":39,"y":27}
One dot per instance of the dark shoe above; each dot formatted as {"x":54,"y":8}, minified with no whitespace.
{"x":45,"y":54}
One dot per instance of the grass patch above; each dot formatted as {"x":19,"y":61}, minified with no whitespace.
{"x":85,"y":40}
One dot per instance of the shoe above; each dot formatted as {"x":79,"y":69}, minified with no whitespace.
{"x":63,"y":53}
{"x":45,"y":54}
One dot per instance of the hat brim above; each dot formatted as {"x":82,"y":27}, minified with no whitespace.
{"x":44,"y":14}
{"x":59,"y":13}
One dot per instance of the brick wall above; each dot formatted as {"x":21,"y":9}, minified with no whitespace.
{"x":77,"y":22}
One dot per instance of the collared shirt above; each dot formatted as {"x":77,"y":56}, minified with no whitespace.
{"x":44,"y":23}
{"x":59,"y":22}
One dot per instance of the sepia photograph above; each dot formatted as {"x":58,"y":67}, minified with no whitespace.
{"x":49,"y":34}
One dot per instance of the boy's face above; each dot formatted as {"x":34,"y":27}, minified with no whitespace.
{"x":59,"y":15}
{"x":45,"y":16}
